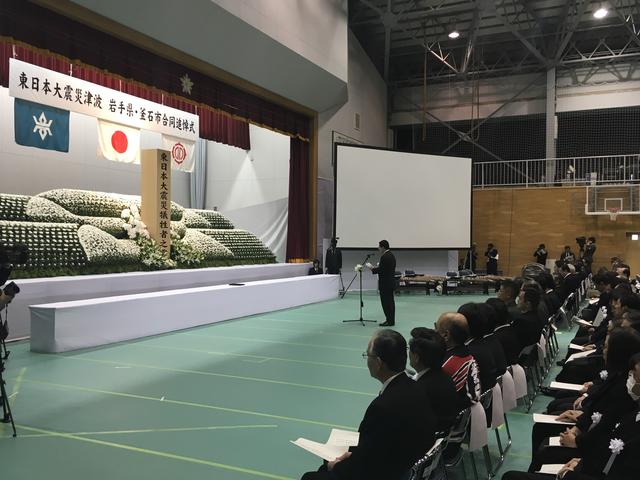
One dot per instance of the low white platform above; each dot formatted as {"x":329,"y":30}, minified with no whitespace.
{"x":61,"y":289}
{"x":60,"y":327}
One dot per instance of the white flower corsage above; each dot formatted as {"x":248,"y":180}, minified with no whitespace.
{"x":604,"y":374}
{"x":595,"y":419}
{"x":616,"y":446}
{"x":358,"y":268}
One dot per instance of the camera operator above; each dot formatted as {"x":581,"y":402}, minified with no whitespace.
{"x":7,"y":295}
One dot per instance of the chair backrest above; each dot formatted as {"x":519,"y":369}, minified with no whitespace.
{"x":423,"y":468}
{"x":529,"y":355}
{"x":459,"y":428}
{"x":485,"y":399}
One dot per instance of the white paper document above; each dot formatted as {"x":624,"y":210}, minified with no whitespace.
{"x":586,"y":353}
{"x":542,"y":418}
{"x":573,"y":346}
{"x":566,"y":386}
{"x":594,"y":300}
{"x":551,"y":469}
{"x":338,"y":444}
{"x":582,"y":322}
{"x":343,"y":437}
{"x":554,"y":442}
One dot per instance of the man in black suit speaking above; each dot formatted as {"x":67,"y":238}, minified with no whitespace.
{"x":386,"y":270}
{"x":398,"y":427}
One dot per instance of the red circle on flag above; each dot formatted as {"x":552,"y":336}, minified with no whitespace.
{"x":119,"y":141}
{"x":179,"y":153}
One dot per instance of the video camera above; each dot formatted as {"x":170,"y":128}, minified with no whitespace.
{"x":581,"y":241}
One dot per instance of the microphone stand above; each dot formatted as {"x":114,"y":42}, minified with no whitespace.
{"x":345,"y":290}
{"x":359,"y":274}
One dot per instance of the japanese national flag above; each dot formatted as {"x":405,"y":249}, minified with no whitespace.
{"x":181,"y":152}
{"x":118,"y":143}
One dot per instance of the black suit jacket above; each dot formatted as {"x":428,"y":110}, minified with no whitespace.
{"x":508,"y":338}
{"x":553,"y":301}
{"x":386,"y":271}
{"x":571,"y":283}
{"x":611,"y":400}
{"x":499,"y":356}
{"x":528,"y":329}
{"x":397,"y":429}
{"x":596,"y":454}
{"x":441,"y":392}
{"x":333,"y":260}
{"x":481,"y":351}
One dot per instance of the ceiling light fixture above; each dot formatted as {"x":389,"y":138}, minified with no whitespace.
{"x":600,"y":13}
{"x":454,"y":34}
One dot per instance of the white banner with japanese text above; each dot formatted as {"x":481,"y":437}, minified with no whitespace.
{"x":46,"y":87}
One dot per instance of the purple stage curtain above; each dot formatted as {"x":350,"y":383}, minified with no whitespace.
{"x":38,"y":27}
{"x":298,"y":225}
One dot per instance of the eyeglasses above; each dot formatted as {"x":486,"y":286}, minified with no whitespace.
{"x":367,"y":355}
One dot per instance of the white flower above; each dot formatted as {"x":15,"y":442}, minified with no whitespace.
{"x":616,"y":446}
{"x":125,"y":213}
{"x":358,"y":268}
{"x":595,"y":418}
{"x":604,"y":374}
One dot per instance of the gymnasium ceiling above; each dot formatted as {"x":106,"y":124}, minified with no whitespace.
{"x":497,"y":37}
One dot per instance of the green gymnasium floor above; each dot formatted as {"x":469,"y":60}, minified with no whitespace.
{"x":219,"y":402}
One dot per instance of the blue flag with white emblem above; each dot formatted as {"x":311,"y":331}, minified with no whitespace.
{"x":41,"y":126}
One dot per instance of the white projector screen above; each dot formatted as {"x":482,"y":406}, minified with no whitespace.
{"x":414,"y":201}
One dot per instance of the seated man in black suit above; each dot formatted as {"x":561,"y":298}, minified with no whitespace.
{"x":426,"y":354}
{"x":508,"y":293}
{"x":492,"y":340}
{"x":505,"y":332}
{"x":398,"y":426}
{"x":550,"y":296}
{"x":527,"y":323}
{"x":570,"y":280}
{"x":477,"y":345}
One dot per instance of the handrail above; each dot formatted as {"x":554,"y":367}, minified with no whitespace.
{"x":558,"y":172}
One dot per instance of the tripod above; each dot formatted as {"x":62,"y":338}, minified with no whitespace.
{"x":7,"y":416}
{"x":3,"y":344}
{"x":4,"y":333}
{"x":359,"y":274}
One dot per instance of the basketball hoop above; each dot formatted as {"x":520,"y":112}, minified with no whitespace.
{"x":613,"y":213}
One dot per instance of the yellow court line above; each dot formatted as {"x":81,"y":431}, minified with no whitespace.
{"x":157,"y":453}
{"x":16,"y":386}
{"x":261,"y":340}
{"x":221,"y":375}
{"x":155,"y":430}
{"x":259,"y":357}
{"x":186,"y":404}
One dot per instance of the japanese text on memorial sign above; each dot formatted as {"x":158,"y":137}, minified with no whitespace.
{"x":40,"y":85}
{"x":164,"y":183}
